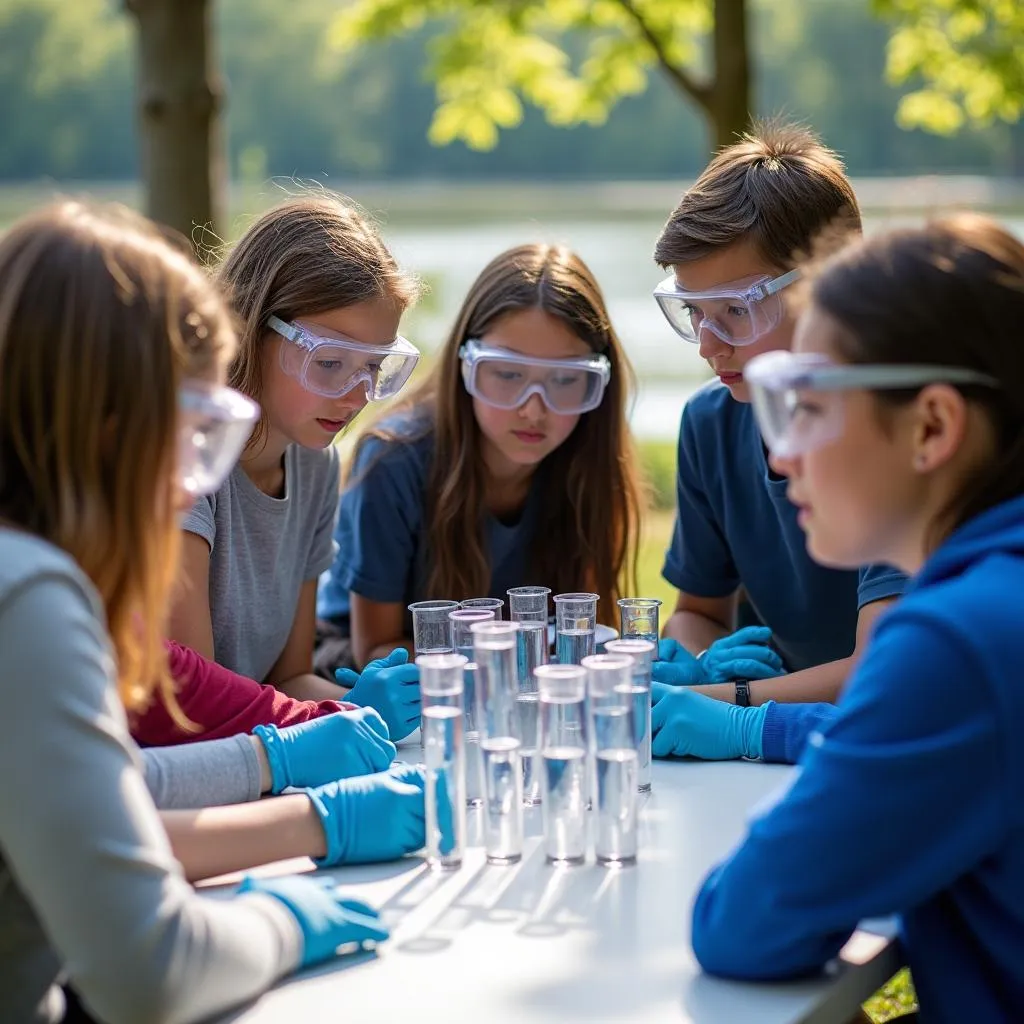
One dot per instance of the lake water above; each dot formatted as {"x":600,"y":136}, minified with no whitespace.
{"x":447,"y":233}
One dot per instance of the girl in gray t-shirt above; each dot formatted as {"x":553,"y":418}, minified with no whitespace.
{"x":318,"y":297}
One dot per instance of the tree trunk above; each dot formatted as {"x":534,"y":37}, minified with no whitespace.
{"x":730,"y":100}
{"x":179,"y":105}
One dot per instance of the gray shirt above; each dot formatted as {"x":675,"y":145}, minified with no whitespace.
{"x":262,"y":550}
{"x":88,"y":882}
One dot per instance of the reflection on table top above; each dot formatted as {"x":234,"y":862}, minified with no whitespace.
{"x":535,"y":943}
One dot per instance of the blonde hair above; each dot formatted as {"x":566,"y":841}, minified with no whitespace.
{"x":307,"y":255}
{"x":100,"y":319}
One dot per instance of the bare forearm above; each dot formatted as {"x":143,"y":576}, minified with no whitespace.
{"x":217,"y":840}
{"x":308,"y":686}
{"x":821,"y":684}
{"x":694,"y":631}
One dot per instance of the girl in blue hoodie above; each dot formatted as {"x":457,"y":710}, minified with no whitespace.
{"x":899,"y":422}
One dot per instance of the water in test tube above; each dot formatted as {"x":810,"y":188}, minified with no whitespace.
{"x":528,"y":604}
{"x":563,"y":772}
{"x":441,"y":689}
{"x":494,"y":651}
{"x":609,"y":681}
{"x":642,"y":653}
{"x":461,"y":619}
{"x":638,"y":618}
{"x":529,"y":607}
{"x":431,"y":630}
{"x":575,"y":622}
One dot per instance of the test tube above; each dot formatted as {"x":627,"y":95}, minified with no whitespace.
{"x":494,"y":604}
{"x":531,"y":652}
{"x":441,"y":690}
{"x":563,"y":746}
{"x":642,"y":653}
{"x":609,"y":680}
{"x":431,"y":630}
{"x":471,"y":719}
{"x":461,"y":619}
{"x":638,"y":618}
{"x":528,"y":604}
{"x":576,"y":620}
{"x":494,"y":650}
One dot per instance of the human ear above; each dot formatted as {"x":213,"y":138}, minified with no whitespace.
{"x":939,"y":422}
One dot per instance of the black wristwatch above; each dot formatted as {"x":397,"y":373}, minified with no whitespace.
{"x":742,"y":693}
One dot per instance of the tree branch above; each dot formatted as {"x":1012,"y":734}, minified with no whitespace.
{"x":698,"y":92}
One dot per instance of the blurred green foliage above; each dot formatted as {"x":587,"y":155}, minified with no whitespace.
{"x":300,"y":106}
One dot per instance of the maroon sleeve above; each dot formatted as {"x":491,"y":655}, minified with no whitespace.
{"x":220,"y":702}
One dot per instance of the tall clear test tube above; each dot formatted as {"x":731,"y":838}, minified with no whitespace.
{"x":431,"y":630}
{"x":531,"y":652}
{"x":609,"y":680}
{"x":563,"y":761}
{"x":528,"y":604}
{"x":461,"y":620}
{"x":442,"y":686}
{"x":642,"y":653}
{"x":638,"y":618}
{"x":494,"y":650}
{"x":492,"y":604}
{"x":575,"y":622}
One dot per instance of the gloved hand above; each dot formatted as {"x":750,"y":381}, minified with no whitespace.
{"x":372,"y":817}
{"x":744,"y":654}
{"x":326,"y":920}
{"x":390,"y":686}
{"x":325,"y":749}
{"x":687,"y":723}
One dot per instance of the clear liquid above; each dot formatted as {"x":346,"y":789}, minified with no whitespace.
{"x":474,"y":780}
{"x":642,"y":735}
{"x":433,"y":650}
{"x":528,"y":706}
{"x":531,"y":651}
{"x":503,"y":799}
{"x":564,"y":771}
{"x":628,"y":634}
{"x":444,"y":755}
{"x":573,"y":645}
{"x":616,"y":806}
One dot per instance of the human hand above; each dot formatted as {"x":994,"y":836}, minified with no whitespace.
{"x":325,"y":918}
{"x":744,"y":654}
{"x":324,"y":749}
{"x":389,"y":685}
{"x":372,"y":817}
{"x":684,"y":723}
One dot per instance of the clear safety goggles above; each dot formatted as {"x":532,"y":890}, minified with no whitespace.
{"x":507,"y":379}
{"x":332,"y":365}
{"x":798,"y":401}
{"x":739,"y":313}
{"x":214,"y":424}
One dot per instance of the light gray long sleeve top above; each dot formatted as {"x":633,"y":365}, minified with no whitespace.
{"x":88,"y":882}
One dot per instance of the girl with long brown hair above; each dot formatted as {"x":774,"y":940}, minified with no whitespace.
{"x":113,"y":409}
{"x":512,"y":464}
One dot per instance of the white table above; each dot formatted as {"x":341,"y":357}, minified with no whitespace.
{"x":533,"y":943}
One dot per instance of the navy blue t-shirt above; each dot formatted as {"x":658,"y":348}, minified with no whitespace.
{"x":382,"y":549}
{"x":735,"y":526}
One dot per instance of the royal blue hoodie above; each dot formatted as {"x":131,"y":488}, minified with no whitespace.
{"x":910,"y":801}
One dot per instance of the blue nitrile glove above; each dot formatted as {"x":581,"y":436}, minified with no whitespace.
{"x":326,"y":920}
{"x":372,"y":817}
{"x":687,"y":723}
{"x":744,"y":654}
{"x":333,"y":747}
{"x":445,"y":820}
{"x":389,"y":685}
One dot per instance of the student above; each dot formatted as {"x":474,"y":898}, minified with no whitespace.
{"x":732,"y":244}
{"x":318,"y":298}
{"x":112,"y":355}
{"x":898,"y":424}
{"x":511,"y":465}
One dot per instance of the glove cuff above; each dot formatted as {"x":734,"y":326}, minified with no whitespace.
{"x":753,"y":729}
{"x":277,"y":758}
{"x":333,"y":823}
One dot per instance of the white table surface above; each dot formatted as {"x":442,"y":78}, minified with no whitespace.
{"x":534,"y":943}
